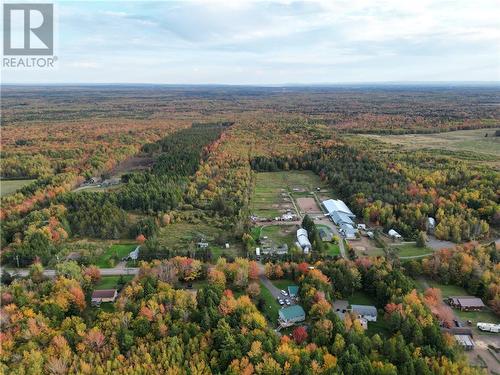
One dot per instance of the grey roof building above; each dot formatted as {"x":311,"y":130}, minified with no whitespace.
{"x":365,"y":311}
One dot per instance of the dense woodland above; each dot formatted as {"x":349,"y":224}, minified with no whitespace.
{"x":401,"y":190}
{"x":157,"y":328}
{"x":204,"y":146}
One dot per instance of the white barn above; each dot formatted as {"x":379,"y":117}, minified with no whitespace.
{"x":303,"y":240}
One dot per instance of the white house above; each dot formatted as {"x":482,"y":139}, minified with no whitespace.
{"x":369,"y":313}
{"x":104,"y":295}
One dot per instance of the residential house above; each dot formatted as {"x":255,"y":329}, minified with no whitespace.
{"x":291,"y":315}
{"x":365,"y":312}
{"x":104,"y":295}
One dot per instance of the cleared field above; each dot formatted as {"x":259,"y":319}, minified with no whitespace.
{"x":114,"y":254}
{"x":181,"y":236}
{"x":271,"y":196}
{"x":465,"y":144}
{"x":280,"y":234}
{"x":412,"y":251}
{"x":11,"y":186}
{"x":308,"y":205}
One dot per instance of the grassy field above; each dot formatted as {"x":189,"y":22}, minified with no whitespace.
{"x":360,"y":298}
{"x":270,"y":196}
{"x":280,"y":234}
{"x":10,"y":186}
{"x":332,"y":249}
{"x":463,"y":144}
{"x":446,"y":290}
{"x":412,"y":250}
{"x":271,"y":307}
{"x":181,"y":236}
{"x":111,"y":282}
{"x":114,"y":254}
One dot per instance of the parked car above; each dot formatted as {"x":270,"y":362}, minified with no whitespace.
{"x":288,"y":302}
{"x":283,"y":292}
{"x":281,"y":302}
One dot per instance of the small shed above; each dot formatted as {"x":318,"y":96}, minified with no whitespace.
{"x":293,"y":290}
{"x":465,"y":341}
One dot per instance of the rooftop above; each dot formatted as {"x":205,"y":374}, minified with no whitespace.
{"x":292,"y":312}
{"x":293,"y":290}
{"x":333,"y":205}
{"x":104,"y":293}
{"x":364,"y":310}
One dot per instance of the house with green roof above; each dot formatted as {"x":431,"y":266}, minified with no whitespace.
{"x":293,"y":290}
{"x":291,"y":315}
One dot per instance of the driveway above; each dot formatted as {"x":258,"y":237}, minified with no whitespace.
{"x":267,"y":283}
{"x":436,"y":244}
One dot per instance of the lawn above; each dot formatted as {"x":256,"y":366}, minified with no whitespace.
{"x":271,"y":305}
{"x":280,"y":234}
{"x":111,"y":282}
{"x":412,"y":250}
{"x":283,"y":283}
{"x":361,"y":298}
{"x":10,"y":186}
{"x":332,"y":249}
{"x":446,"y":290}
{"x":182,"y":236}
{"x":114,"y":254}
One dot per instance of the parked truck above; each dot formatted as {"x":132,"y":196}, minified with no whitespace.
{"x":489,"y":327}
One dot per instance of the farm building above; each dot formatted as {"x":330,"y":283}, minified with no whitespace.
{"x":466,"y":303}
{"x":394,"y":235}
{"x":303,"y":240}
{"x":293,"y":290}
{"x":341,"y":218}
{"x":465,"y":341}
{"x":291,"y":315}
{"x":365,"y":312}
{"x":348,"y":231}
{"x":104,"y":295}
{"x":336,"y":205}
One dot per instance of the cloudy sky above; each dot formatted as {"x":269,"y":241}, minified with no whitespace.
{"x":272,"y":42}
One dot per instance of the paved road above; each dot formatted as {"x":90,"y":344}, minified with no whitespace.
{"x":104,"y":272}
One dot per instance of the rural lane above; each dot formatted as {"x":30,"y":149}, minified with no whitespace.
{"x":51,"y":273}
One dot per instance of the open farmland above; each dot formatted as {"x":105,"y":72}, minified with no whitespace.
{"x":274,"y":192}
{"x":11,"y":186}
{"x":479,"y":145}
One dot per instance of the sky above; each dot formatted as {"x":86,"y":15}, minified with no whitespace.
{"x":271,"y":42}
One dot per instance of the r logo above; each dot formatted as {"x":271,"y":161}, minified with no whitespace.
{"x":28,"y":29}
